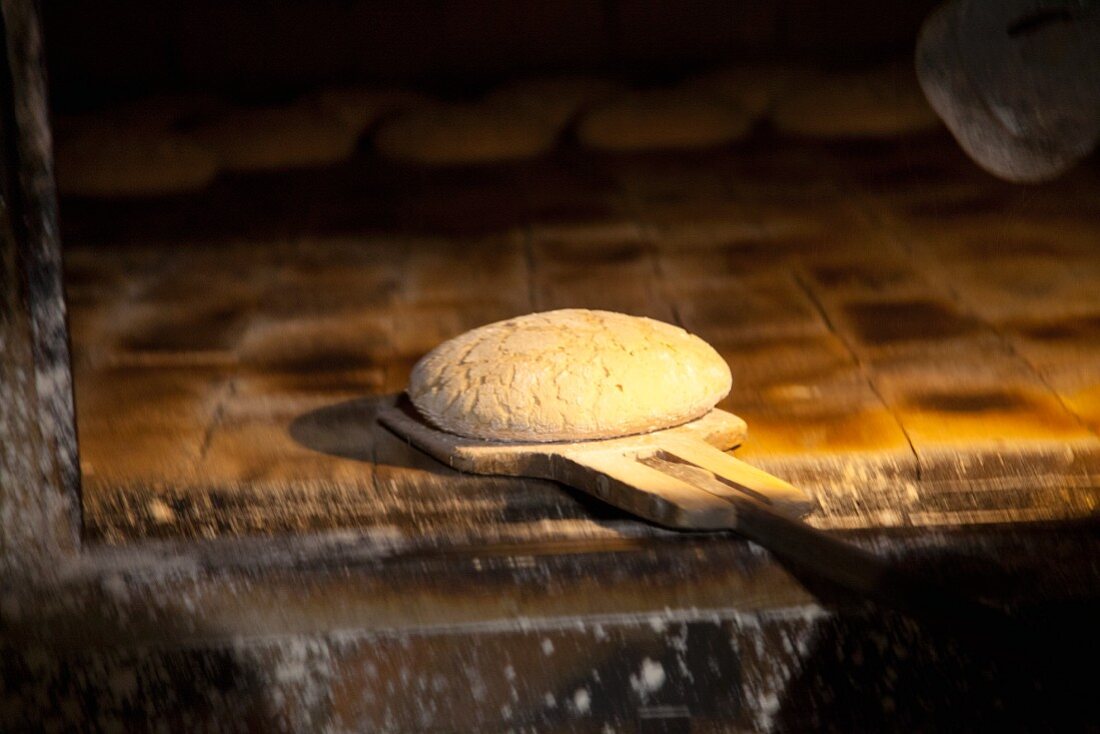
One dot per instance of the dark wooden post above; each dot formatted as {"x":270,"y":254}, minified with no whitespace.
{"x":39,"y":470}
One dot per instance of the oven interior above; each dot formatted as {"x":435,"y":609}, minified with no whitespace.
{"x":911,"y":339}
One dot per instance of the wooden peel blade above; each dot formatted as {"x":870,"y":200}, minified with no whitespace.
{"x":677,"y":479}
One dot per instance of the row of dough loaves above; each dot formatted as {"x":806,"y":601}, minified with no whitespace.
{"x":176,"y":143}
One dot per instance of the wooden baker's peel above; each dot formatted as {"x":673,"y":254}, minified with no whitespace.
{"x":680,"y":478}
{"x":674,"y":477}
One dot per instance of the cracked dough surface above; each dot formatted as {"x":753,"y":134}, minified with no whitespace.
{"x":572,"y":374}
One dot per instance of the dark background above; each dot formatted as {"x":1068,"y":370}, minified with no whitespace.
{"x":105,"y":50}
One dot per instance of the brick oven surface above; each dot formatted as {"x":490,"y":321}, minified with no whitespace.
{"x":915,"y":342}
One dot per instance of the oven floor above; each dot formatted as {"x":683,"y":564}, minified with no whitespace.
{"x":914,"y":341}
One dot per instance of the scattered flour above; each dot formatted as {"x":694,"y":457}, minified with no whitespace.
{"x":582,"y":700}
{"x":649,"y":679}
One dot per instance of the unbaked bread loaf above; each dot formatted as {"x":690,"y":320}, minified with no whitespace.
{"x":556,"y":99}
{"x":568,"y":375}
{"x":462,"y":134}
{"x":259,"y":139}
{"x":360,"y":107}
{"x":663,"y":119}
{"x":877,"y":103}
{"x":158,"y":113}
{"x":109,"y":162}
{"x":752,"y":87}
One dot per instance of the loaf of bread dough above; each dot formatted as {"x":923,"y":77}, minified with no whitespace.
{"x":568,"y":375}
{"x":663,"y":119}
{"x":258,"y":139}
{"x":360,"y":107}
{"x":752,"y":87}
{"x":158,"y":113}
{"x":877,"y":103}
{"x":109,"y":162}
{"x":556,"y":99}
{"x":456,"y":134}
